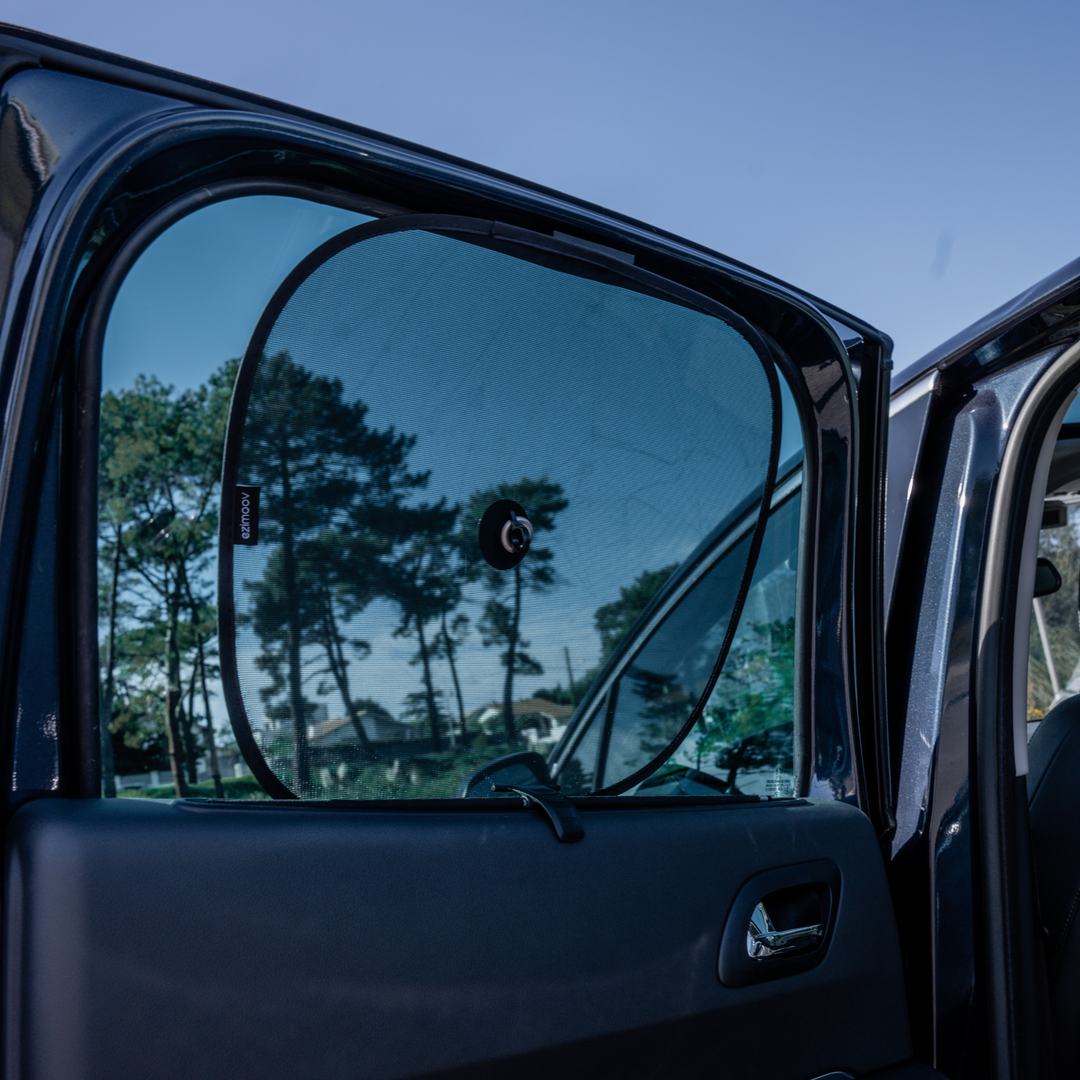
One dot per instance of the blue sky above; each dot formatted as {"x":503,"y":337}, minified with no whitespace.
{"x":913,"y":163}
{"x":192,"y":299}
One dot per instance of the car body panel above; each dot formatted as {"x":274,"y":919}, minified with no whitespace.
{"x":115,"y":193}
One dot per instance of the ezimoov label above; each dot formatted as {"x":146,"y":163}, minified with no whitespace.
{"x":246,"y":515}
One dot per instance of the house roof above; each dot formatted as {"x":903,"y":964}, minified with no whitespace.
{"x":377,"y":728}
{"x":530,"y":707}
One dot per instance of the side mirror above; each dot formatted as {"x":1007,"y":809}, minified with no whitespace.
{"x":1047,"y":578}
{"x":523,"y":769}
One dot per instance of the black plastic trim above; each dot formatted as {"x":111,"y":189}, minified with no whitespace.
{"x":556,"y":807}
{"x":586,"y":803}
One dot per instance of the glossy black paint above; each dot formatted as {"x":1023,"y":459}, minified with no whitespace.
{"x":868,"y":585}
{"x":909,"y":412}
{"x":35,"y":752}
{"x":52,"y":136}
{"x":1042,"y":315}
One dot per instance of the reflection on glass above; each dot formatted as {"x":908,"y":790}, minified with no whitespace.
{"x":743,"y":743}
{"x":189,"y":303}
{"x":409,"y":382}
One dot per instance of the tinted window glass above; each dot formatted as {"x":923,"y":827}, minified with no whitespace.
{"x":404,"y":382}
{"x":180,"y":322}
{"x":743,"y":743}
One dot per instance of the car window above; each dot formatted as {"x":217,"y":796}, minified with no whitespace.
{"x":399,"y":705}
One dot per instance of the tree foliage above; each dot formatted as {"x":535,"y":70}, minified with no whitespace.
{"x":345,"y":524}
{"x":749,"y":720}
{"x":614,"y":620}
{"x":160,"y":463}
{"x":1062,"y":547}
{"x":335,"y":515}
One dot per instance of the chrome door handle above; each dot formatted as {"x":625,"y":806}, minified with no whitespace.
{"x":764,"y":941}
{"x":783,"y":942}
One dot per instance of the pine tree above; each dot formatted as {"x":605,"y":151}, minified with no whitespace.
{"x":334,"y":510}
{"x":159,"y":476}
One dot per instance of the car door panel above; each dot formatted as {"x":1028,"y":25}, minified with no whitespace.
{"x":163,"y":939}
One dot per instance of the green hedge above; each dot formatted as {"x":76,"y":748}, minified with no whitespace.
{"x":236,"y":787}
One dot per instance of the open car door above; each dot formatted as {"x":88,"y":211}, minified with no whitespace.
{"x":479,"y":434}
